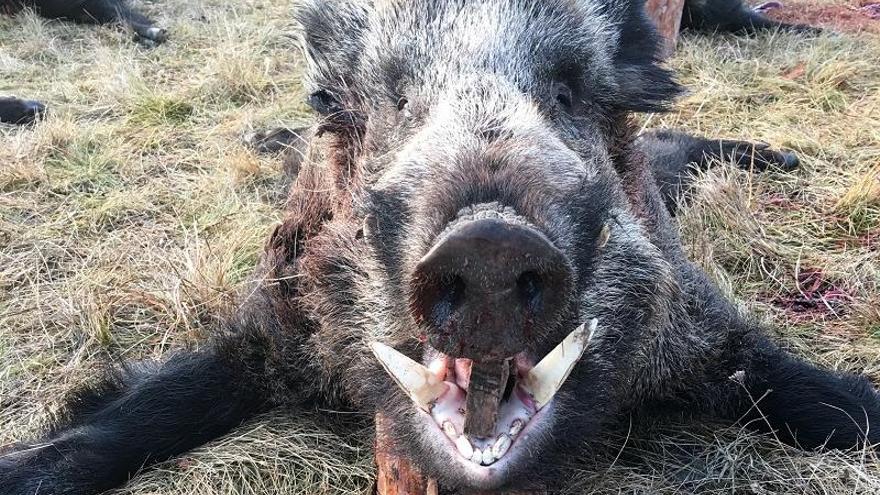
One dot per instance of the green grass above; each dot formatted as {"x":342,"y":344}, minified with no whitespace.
{"x":131,"y":217}
{"x":157,"y":110}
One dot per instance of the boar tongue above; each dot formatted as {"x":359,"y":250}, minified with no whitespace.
{"x":486,"y":387}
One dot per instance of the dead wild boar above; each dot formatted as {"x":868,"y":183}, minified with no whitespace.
{"x":19,"y":111}
{"x":733,"y":16}
{"x":477,"y":247}
{"x":92,"y":12}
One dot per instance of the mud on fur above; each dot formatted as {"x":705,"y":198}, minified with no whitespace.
{"x":522,"y":134}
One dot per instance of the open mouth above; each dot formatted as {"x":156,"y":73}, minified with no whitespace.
{"x":483,"y":407}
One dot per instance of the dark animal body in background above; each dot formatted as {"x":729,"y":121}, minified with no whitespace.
{"x":21,"y":112}
{"x":450,"y":129}
{"x":92,"y":12}
{"x":675,"y":157}
{"x":292,"y":142}
{"x":733,"y":16}
{"x":18,"y":111}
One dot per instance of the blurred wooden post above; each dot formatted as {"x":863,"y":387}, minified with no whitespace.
{"x":667,"y":17}
{"x":397,"y":476}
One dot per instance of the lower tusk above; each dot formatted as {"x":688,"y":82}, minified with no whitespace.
{"x":421,"y":385}
{"x":545,"y":379}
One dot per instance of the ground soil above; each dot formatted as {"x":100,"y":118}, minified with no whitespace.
{"x":839,"y":16}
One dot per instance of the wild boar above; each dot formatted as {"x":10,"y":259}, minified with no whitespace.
{"x":93,"y":12}
{"x":474,"y":216}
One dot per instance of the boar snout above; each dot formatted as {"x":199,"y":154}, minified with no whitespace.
{"x":486,"y":285}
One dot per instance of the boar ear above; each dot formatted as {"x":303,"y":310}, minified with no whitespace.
{"x":331,"y":37}
{"x":644,"y":84}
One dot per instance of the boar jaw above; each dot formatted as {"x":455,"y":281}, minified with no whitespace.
{"x":444,"y":394}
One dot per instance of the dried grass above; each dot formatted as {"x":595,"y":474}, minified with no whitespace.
{"x":130,"y":217}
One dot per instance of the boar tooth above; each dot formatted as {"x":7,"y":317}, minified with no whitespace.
{"x":502,"y":445}
{"x":449,"y":429}
{"x":488,"y":456}
{"x":422,"y":386}
{"x":544,"y":380}
{"x":477,"y":456}
{"x":464,"y":447}
{"x":516,"y":427}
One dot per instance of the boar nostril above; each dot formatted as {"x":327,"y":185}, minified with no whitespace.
{"x":435,"y":298}
{"x":529,"y":287}
{"x":449,"y":294}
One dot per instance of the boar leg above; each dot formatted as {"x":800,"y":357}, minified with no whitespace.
{"x":20,"y":112}
{"x":105,"y":12}
{"x":279,"y":139}
{"x":800,"y":403}
{"x":143,"y":26}
{"x":733,"y":16}
{"x":142,"y":414}
{"x":293,"y":143}
{"x":675,"y":156}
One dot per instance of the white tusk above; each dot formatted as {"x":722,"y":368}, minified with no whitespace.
{"x":545,"y":379}
{"x":422,"y":386}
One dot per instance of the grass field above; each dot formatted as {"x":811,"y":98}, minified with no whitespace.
{"x":133,"y":214}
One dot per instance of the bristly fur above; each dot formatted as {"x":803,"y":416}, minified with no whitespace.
{"x":431,"y":110}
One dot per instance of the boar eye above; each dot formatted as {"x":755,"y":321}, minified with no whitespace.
{"x":324,"y":103}
{"x":563,"y":96}
{"x":403,"y":107}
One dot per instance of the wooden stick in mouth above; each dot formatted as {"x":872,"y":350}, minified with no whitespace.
{"x":485,"y":391}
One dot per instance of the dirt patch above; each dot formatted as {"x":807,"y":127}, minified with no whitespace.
{"x":815,"y":298}
{"x":849,"y":17}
